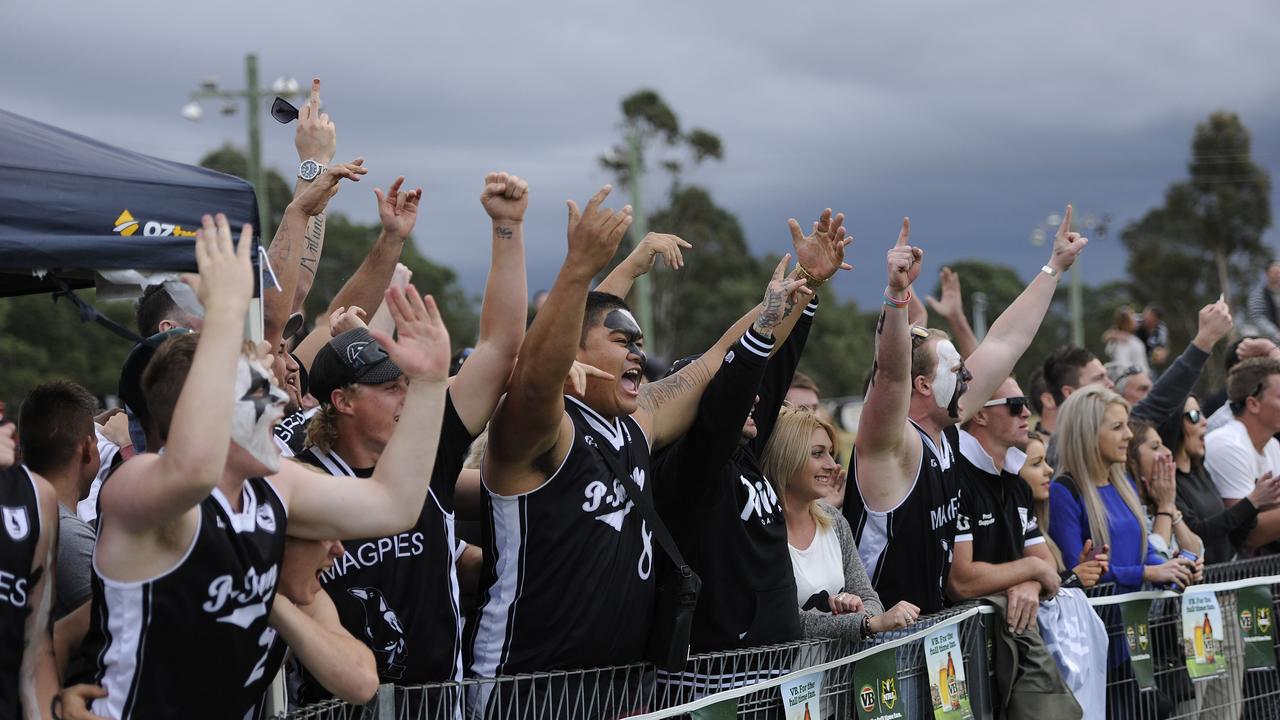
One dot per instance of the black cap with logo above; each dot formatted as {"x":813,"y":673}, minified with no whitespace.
{"x":352,"y":357}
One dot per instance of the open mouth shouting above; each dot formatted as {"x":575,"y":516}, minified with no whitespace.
{"x":630,"y":382}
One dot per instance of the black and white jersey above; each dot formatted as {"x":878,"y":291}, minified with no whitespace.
{"x":569,"y":564}
{"x":193,"y":642}
{"x":996,"y":511}
{"x":907,"y":551}
{"x":20,"y":514}
{"x":399,"y":594}
{"x":291,"y":432}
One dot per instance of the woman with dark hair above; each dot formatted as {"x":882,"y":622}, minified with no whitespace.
{"x":1150,"y":467}
{"x":1224,"y":530}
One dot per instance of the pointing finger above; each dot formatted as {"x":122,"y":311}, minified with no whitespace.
{"x":598,"y":198}
{"x":314,"y":101}
{"x":905,"y":234}
{"x":797,"y":235}
{"x":1066,"y":221}
{"x":781,"y":269}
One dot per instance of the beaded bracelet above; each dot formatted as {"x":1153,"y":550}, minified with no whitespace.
{"x":893,"y":302}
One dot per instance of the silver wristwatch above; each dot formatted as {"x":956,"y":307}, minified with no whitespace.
{"x":309,"y":170}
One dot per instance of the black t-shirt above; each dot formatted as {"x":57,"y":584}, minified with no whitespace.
{"x":569,"y":565}
{"x":996,"y":511}
{"x":399,"y":594}
{"x":194,"y":641}
{"x":907,"y":551}
{"x":20,"y":515}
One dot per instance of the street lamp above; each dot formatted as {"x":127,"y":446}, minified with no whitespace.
{"x":1095,"y":228}
{"x":252,"y":96}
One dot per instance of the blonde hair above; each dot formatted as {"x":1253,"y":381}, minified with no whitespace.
{"x":788,"y":450}
{"x":1080,"y":419}
{"x":322,"y":431}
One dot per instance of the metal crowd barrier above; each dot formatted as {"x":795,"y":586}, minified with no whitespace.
{"x":753,"y":676}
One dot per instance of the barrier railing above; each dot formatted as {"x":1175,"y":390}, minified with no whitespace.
{"x":747,"y":683}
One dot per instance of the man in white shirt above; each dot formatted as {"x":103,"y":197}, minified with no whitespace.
{"x":1243,"y":451}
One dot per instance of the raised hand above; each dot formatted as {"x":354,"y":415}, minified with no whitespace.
{"x":344,"y":319}
{"x":904,"y":260}
{"x":594,"y":233}
{"x":821,"y":253}
{"x":641,"y":260}
{"x":505,"y":197}
{"x":226,"y":272}
{"x":578,"y":374}
{"x":398,"y":210}
{"x":316,"y":196}
{"x":401,"y":276}
{"x":316,"y":137}
{"x":1256,"y":347}
{"x":421,"y":345}
{"x":1067,"y":245}
{"x":1215,"y":323}
{"x":950,"y":302}
{"x":1162,"y":485}
{"x":835,"y":493}
{"x":780,"y":296}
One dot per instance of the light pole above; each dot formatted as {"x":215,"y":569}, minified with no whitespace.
{"x":252,"y":96}
{"x":1093,"y":225}
{"x":640,"y":228}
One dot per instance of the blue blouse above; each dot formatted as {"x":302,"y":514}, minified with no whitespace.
{"x":1069,"y":528}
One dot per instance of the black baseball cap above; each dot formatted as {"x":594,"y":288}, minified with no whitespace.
{"x":352,"y":357}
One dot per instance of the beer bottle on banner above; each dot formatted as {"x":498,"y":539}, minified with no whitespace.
{"x":944,"y":687}
{"x":952,"y":687}
{"x":1199,"y":643}
{"x":807,"y":716}
{"x":1208,"y":640}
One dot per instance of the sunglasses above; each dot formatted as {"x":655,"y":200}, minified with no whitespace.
{"x":919,"y":334}
{"x":1015,"y":404}
{"x":1128,"y":373}
{"x":283,"y":111}
{"x":1193,"y":416}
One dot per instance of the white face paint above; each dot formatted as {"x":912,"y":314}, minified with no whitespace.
{"x":944,"y":375}
{"x":259,"y":406}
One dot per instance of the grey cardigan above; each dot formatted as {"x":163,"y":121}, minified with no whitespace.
{"x":818,"y":624}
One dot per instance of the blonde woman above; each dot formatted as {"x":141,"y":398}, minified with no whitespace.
{"x":833,"y":592}
{"x":1038,"y":475}
{"x":1094,"y":500}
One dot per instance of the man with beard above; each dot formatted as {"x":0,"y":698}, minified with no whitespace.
{"x":904,"y":510}
{"x":399,"y":594}
{"x":190,"y":540}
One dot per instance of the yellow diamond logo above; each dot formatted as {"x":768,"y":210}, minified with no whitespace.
{"x":125,"y":224}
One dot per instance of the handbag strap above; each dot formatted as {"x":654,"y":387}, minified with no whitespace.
{"x":645,"y":505}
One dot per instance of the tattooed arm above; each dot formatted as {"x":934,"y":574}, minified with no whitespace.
{"x":38,"y":676}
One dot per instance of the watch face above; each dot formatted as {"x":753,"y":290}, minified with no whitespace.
{"x":309,"y":170}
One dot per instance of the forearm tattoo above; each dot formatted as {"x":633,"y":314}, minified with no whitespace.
{"x":503,"y":232}
{"x":771,"y":313}
{"x":315,"y":240}
{"x":656,"y":394}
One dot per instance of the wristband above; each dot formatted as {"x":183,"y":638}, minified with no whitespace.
{"x":1050,"y":271}
{"x":893,"y":302}
{"x":1166,"y":514}
{"x":811,"y":282}
{"x":867,"y":632}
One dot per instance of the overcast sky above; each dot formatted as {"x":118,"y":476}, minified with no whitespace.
{"x":977,"y":119}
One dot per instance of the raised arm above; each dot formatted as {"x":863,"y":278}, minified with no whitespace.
{"x":641,"y":261}
{"x":1169,"y":393}
{"x":1011,"y":334}
{"x":398,"y":211}
{"x":316,"y":139}
{"x":38,"y":673}
{"x":950,"y":306}
{"x":889,"y":395}
{"x":483,"y":377}
{"x":322,"y":506}
{"x":150,"y":491}
{"x":528,"y":423}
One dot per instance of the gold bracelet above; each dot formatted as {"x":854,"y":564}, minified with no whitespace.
{"x":810,"y":281}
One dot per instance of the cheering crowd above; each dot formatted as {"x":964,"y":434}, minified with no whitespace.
{"x":362,"y":505}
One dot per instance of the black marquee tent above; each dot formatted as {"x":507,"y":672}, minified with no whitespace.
{"x":70,"y":205}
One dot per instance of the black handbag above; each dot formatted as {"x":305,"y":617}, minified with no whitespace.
{"x":677,"y":593}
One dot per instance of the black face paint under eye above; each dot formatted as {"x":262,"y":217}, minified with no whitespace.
{"x":259,"y":393}
{"x":963,"y":376}
{"x":621,"y":321}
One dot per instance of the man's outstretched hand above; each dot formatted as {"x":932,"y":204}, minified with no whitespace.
{"x":904,"y":260}
{"x":594,"y":233}
{"x":226,"y":272}
{"x":421,"y":345}
{"x":316,"y":196}
{"x":316,"y":137}
{"x":950,"y":302}
{"x":398,"y":210}
{"x":821,"y":253}
{"x":1067,"y":245}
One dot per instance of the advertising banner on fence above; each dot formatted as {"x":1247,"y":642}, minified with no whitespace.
{"x":875,"y":682}
{"x":1137,"y":634}
{"x":1201,"y":635}
{"x":800,"y":698}
{"x":1253,"y":612}
{"x":945,"y":669}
